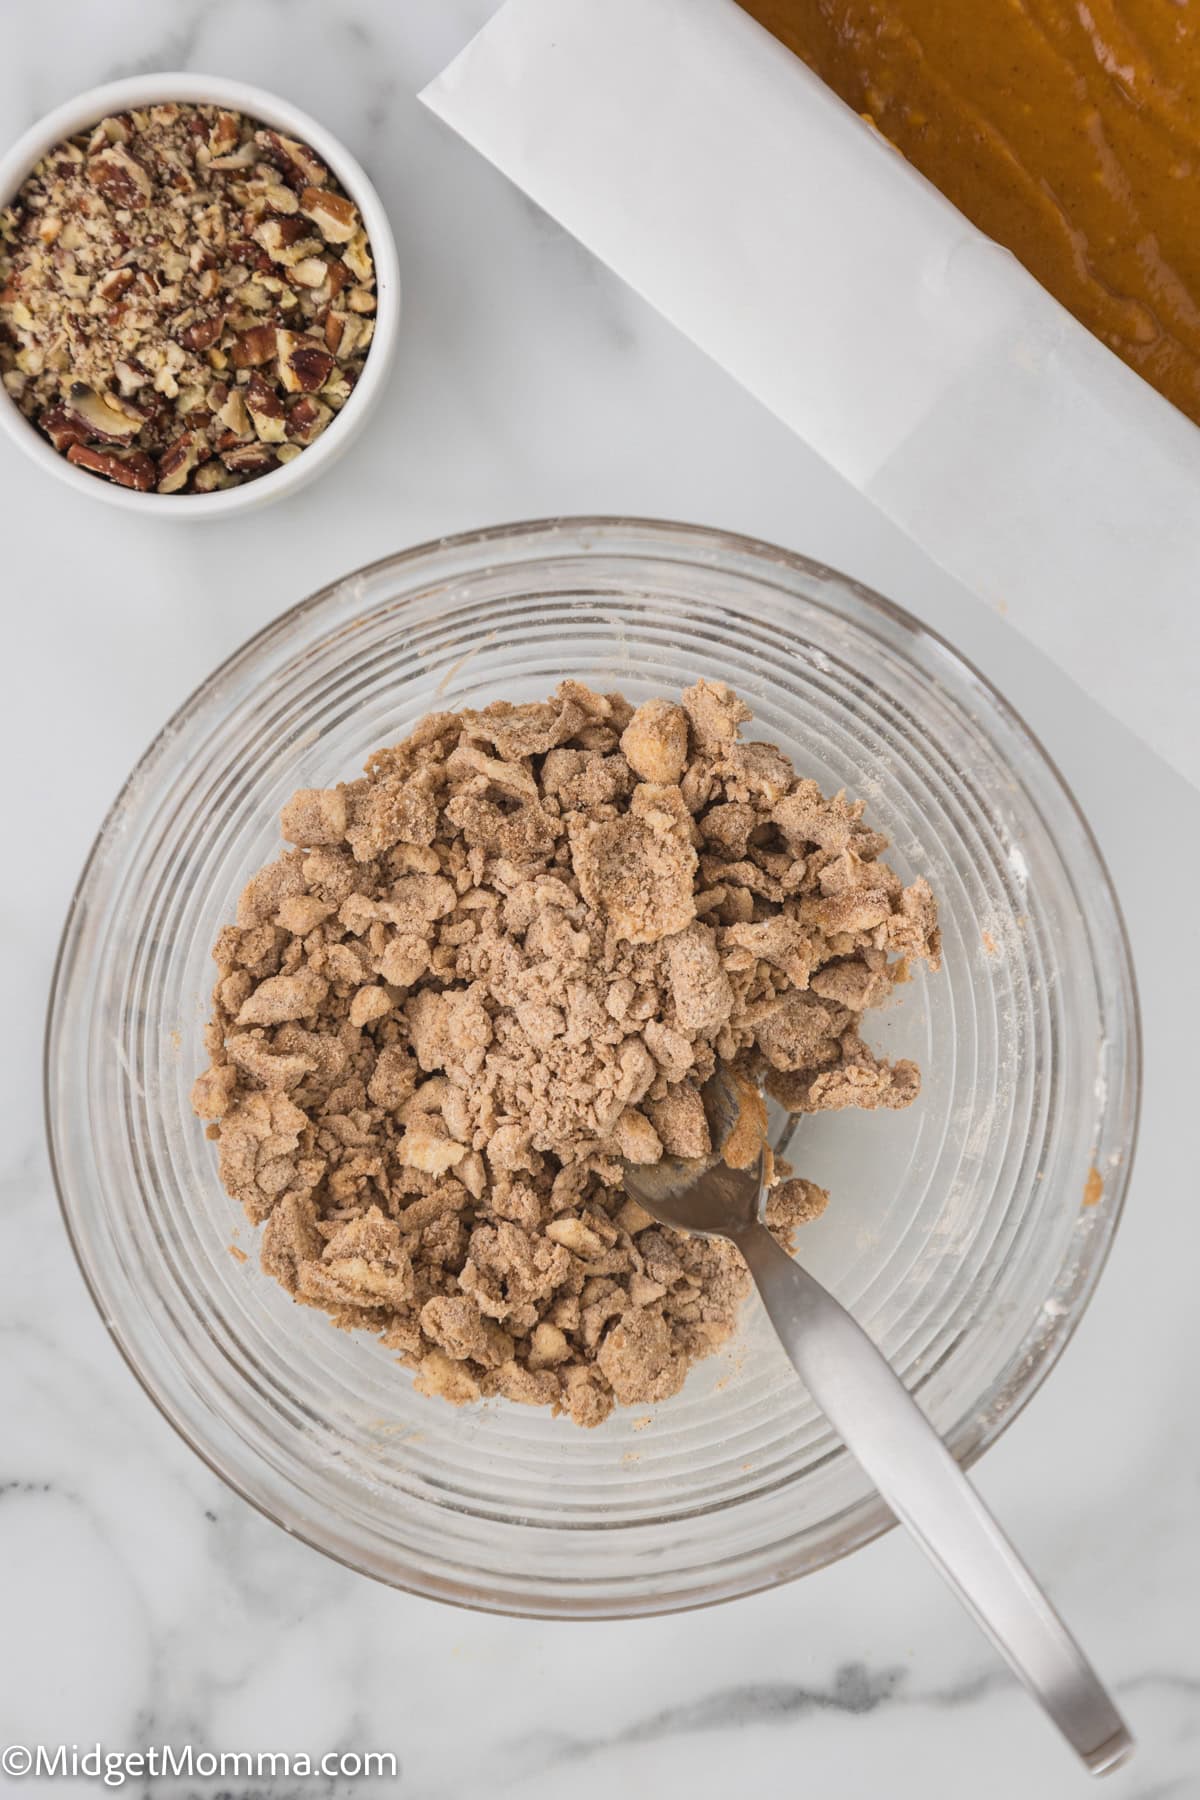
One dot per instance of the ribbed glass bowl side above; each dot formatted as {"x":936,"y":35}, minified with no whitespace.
{"x":958,"y":1231}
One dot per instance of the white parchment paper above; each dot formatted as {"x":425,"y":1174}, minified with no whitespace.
{"x":724,"y":182}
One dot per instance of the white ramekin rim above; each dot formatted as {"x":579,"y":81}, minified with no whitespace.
{"x":255,"y":102}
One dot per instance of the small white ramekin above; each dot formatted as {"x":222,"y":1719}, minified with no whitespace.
{"x":255,"y":103}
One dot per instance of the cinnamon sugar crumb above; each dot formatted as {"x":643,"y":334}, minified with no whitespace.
{"x":501,"y":962}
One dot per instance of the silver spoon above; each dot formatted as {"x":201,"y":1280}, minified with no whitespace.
{"x":885,"y":1430}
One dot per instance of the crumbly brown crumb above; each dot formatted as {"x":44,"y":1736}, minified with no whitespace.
{"x":187,"y":298}
{"x":499,"y":964}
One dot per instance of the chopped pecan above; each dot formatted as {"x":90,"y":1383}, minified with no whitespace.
{"x":339,"y":387}
{"x":212,"y":475}
{"x":286,"y":241}
{"x":266,"y":409}
{"x":250,"y":349}
{"x":357,"y":257}
{"x":309,"y":272}
{"x":99,"y":419}
{"x":203,"y":332}
{"x":114,"y":284}
{"x":295,"y":161}
{"x":130,"y":377}
{"x":307,"y":418}
{"x":63,"y":428}
{"x":112,"y":130}
{"x":233,"y":415}
{"x":335,"y":217}
{"x":243,"y":157}
{"x":128,"y":468}
{"x":304,"y":366}
{"x":120,"y":177}
{"x":179,"y":459}
{"x":280,"y":199}
{"x":337,"y":276}
{"x":252,"y":255}
{"x":250,"y":459}
{"x":224,"y":134}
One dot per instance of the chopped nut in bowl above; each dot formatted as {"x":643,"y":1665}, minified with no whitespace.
{"x":198,"y":295}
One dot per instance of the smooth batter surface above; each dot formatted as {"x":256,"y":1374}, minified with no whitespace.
{"x":1069,"y":130}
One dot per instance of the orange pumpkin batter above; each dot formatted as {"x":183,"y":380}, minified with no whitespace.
{"x":1069,"y":130}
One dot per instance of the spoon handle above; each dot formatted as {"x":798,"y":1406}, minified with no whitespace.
{"x":886,"y":1431}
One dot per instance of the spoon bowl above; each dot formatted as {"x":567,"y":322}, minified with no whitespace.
{"x":703,"y":1194}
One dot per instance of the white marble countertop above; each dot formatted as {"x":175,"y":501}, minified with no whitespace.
{"x":143,"y":1602}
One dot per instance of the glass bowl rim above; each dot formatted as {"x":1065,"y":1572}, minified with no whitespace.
{"x":682,"y":538}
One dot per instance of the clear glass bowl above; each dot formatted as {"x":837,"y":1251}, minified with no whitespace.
{"x":965,"y":1233}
